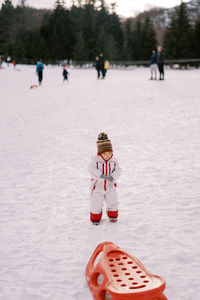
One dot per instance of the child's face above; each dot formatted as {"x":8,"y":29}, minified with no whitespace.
{"x":106,"y":155}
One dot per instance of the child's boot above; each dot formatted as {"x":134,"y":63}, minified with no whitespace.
{"x":95,"y":218}
{"x":113,"y":215}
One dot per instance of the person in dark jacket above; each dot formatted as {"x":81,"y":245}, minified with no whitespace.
{"x":97,"y":67}
{"x":102,"y":65}
{"x":153,"y":65}
{"x":161,"y":61}
{"x":65,"y":73}
{"x":39,"y":71}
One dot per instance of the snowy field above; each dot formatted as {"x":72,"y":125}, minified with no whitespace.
{"x":47,"y":136}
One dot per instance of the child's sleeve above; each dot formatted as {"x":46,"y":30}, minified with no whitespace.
{"x":117,"y":171}
{"x":92,"y":168}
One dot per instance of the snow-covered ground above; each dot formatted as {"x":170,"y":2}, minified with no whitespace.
{"x":47,"y":136}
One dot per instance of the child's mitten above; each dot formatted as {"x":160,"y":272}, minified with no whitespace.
{"x":110,"y":178}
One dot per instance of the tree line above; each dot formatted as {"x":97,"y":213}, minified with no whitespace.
{"x":87,"y":28}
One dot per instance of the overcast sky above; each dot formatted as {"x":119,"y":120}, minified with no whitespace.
{"x":124,"y":7}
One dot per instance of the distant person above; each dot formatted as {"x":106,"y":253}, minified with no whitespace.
{"x":8,"y":60}
{"x":1,"y":61}
{"x":97,"y":67}
{"x":39,"y":71}
{"x":102,"y":65}
{"x":161,"y":61}
{"x":14,"y":64}
{"x":153,"y":65}
{"x":65,"y":73}
{"x":106,"y":67}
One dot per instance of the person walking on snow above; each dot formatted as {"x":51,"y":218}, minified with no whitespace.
{"x":105,"y":170}
{"x":1,"y":61}
{"x":8,"y":61}
{"x":102,"y":65}
{"x":97,"y":67}
{"x":153,"y":65}
{"x":106,"y":66}
{"x":39,"y":71}
{"x":14,"y":64}
{"x":65,"y":73}
{"x":161,"y":61}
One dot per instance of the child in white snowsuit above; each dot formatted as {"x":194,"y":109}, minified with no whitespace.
{"x":105,"y":170}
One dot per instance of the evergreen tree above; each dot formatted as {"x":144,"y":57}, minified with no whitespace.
{"x":170,"y":39}
{"x":76,"y":21}
{"x":137,"y":41}
{"x":35,"y":39}
{"x":149,"y":41}
{"x":179,"y":35}
{"x":6,"y":19}
{"x":80,"y":53}
{"x":114,"y":29}
{"x":23,"y":3}
{"x":128,"y":42}
{"x":197,"y":37}
{"x":58,"y":32}
{"x":101,"y":43}
{"x":81,"y":32}
{"x":7,"y":5}
{"x":111,"y":51}
{"x":18,"y":48}
{"x":88,"y":28}
{"x":144,"y":40}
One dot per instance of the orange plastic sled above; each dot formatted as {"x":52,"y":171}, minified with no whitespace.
{"x":123,"y":276}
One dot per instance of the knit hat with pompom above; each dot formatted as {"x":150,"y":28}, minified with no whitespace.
{"x":103,"y":143}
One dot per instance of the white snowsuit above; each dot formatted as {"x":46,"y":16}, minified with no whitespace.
{"x":101,"y":189}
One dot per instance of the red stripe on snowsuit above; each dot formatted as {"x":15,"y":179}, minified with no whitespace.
{"x":106,"y":175}
{"x":94,"y":187}
{"x":95,"y":217}
{"x":112,"y":214}
{"x":104,"y":179}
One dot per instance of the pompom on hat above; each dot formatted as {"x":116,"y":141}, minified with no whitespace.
{"x":103,"y":143}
